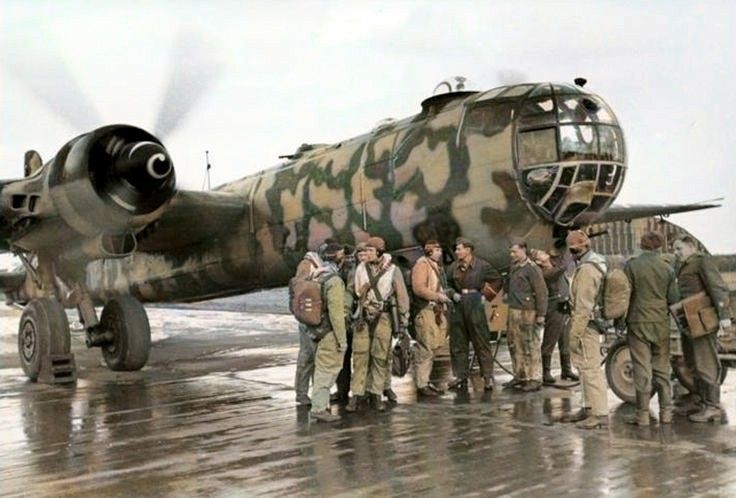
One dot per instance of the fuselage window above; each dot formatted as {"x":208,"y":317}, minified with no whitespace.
{"x":583,"y":109}
{"x":488,"y":120}
{"x":612,"y":144}
{"x":578,"y":142}
{"x":537,"y":146}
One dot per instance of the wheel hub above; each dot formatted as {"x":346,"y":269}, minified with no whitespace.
{"x":28,"y":341}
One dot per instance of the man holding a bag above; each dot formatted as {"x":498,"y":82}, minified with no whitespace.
{"x":696,"y":273}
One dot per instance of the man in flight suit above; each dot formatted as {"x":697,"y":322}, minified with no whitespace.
{"x":429,"y":284}
{"x":585,"y":344}
{"x":466,"y":277}
{"x":331,"y":348}
{"x":377,"y":281}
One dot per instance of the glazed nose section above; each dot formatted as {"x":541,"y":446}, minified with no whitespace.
{"x":573,"y":193}
{"x":570,"y":157}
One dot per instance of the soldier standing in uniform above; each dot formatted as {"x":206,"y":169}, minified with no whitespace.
{"x":343,"y":378}
{"x":526,"y":295}
{"x":331,"y":348}
{"x":653,"y":289}
{"x":468,"y":322}
{"x":428,"y":282}
{"x":555,"y":323}
{"x":696,"y":272}
{"x":585,"y":345}
{"x":307,"y":347}
{"x":377,"y":281}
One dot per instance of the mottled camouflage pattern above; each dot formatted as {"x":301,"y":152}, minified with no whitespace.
{"x":451,"y":170}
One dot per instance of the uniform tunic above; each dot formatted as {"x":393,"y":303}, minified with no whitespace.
{"x":585,"y":344}
{"x":555,"y":323}
{"x":653,"y":289}
{"x":468,"y":321}
{"x":526,"y":295}
{"x":698,"y":273}
{"x":372,"y":335}
{"x":428,"y":282}
{"x":331,"y":349}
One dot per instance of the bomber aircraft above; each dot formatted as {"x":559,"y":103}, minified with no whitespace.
{"x":102,"y":223}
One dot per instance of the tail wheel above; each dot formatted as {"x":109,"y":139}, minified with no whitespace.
{"x":43,"y":330}
{"x":620,"y":371}
{"x":126,"y":318}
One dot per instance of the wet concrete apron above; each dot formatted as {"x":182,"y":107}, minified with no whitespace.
{"x":213,"y":415}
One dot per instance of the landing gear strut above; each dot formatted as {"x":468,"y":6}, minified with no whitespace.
{"x":44,"y":344}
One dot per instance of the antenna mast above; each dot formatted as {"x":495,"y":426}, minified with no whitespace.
{"x":206,"y":183}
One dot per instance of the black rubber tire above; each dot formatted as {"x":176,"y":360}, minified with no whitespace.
{"x":685,"y":376}
{"x":620,"y":371}
{"x":43,"y":330}
{"x":126,"y":318}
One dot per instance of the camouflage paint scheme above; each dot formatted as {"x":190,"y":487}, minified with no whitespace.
{"x":524,"y":161}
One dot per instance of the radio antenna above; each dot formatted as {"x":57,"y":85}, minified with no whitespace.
{"x":206,"y":183}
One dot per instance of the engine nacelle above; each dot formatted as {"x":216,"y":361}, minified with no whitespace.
{"x":110,"y":182}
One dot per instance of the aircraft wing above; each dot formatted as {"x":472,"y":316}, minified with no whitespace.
{"x":628,"y":212}
{"x":191,"y":217}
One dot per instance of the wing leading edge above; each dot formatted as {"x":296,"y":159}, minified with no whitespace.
{"x":192,"y":217}
{"x":628,"y":212}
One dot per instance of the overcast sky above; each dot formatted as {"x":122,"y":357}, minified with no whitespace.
{"x":277,"y":74}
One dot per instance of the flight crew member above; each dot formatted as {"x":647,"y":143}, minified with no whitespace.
{"x":347,"y":271}
{"x":343,"y":378}
{"x":466,"y":277}
{"x":388,"y":391}
{"x":429,"y":284}
{"x":306,"y":269}
{"x":585,"y":346}
{"x":377,"y":281}
{"x":331,"y":348}
{"x":653,"y":289}
{"x":555,"y":322}
{"x":696,"y":272}
{"x":526,"y":295}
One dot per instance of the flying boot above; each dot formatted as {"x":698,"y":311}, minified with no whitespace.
{"x":352,"y":405}
{"x":391,"y":396}
{"x":711,"y":411}
{"x":378,"y":402}
{"x":567,"y":373}
{"x":581,"y":414}
{"x":642,"y":410}
{"x":593,"y":422}
{"x":547,"y":378}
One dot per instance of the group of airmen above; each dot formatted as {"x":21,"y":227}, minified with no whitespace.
{"x":553,"y":298}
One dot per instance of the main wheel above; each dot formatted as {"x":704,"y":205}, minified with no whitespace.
{"x":126,"y":318}
{"x":43,"y":330}
{"x":685,"y":376}
{"x":620,"y":371}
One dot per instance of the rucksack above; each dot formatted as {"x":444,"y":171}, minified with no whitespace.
{"x":306,"y":298}
{"x":614,"y":296}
